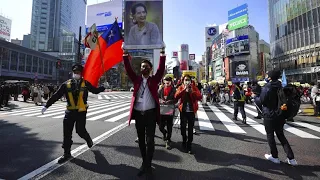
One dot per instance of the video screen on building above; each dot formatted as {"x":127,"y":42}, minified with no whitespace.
{"x":238,"y":45}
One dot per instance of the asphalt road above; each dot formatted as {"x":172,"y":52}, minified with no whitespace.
{"x":224,"y":149}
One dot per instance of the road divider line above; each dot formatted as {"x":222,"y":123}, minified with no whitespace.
{"x":53,"y":165}
{"x":203,"y":120}
{"x":227,"y":122}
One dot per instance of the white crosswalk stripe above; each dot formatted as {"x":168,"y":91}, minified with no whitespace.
{"x":110,"y":96}
{"x":206,"y":117}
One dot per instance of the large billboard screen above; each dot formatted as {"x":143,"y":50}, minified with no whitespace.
{"x":241,"y":68}
{"x":237,"y":12}
{"x":237,"y":45}
{"x":104,"y":14}
{"x":5,"y":28}
{"x":238,"y":22}
{"x":143,"y":28}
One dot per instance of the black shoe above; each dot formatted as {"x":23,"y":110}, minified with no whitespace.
{"x":64,"y":158}
{"x":235,"y":119}
{"x":168,"y":145}
{"x":142,"y":170}
{"x":184,"y":146}
{"x":90,"y":143}
{"x":257,"y":117}
{"x":244,"y":120}
{"x":149,"y":175}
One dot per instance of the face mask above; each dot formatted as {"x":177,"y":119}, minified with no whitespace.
{"x":187,"y":82}
{"x":76,"y":76}
{"x":145,"y":71}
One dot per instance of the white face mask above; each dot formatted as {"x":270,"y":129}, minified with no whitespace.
{"x":76,"y":76}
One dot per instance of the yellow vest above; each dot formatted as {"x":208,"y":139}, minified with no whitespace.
{"x":242,"y":96}
{"x":80,"y":105}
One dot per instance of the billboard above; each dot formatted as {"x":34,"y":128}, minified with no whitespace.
{"x":211,"y":33}
{"x":241,"y":68}
{"x":5,"y":28}
{"x":192,"y":57}
{"x":104,"y":14}
{"x":143,"y":28}
{"x":238,"y":22}
{"x":237,"y":45}
{"x":237,"y":12}
{"x":174,"y":54}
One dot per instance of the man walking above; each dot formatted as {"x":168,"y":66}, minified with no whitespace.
{"x":76,"y":91}
{"x":145,"y":107}
{"x":272,"y":121}
{"x":239,"y":100}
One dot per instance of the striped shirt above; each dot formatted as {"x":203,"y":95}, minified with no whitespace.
{"x":144,"y":100}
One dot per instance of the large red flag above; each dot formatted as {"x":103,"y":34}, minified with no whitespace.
{"x":102,"y":59}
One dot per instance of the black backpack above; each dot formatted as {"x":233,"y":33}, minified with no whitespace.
{"x":288,"y":96}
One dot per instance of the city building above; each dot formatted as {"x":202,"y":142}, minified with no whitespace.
{"x":265,"y":63}
{"x":294,"y":38}
{"x":55,"y":26}
{"x":16,"y":41}
{"x":20,"y":63}
{"x":26,"y":42}
{"x":241,"y":51}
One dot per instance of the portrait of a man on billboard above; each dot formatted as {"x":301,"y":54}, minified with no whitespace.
{"x":143,"y":24}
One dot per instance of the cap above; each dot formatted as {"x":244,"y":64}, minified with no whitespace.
{"x":77,"y":67}
{"x":168,"y":78}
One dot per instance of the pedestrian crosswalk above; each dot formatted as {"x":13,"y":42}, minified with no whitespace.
{"x":115,"y":96}
{"x":210,"y":118}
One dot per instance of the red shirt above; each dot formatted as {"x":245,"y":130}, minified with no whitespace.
{"x":166,"y":90}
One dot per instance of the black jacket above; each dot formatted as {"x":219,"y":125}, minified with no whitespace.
{"x":170,"y":97}
{"x":269,"y":99}
{"x":256,"y":90}
{"x":75,"y":92}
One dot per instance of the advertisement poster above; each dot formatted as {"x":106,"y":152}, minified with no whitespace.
{"x":104,"y":14}
{"x":5,"y":28}
{"x":226,"y":68}
{"x":143,"y":26}
{"x":238,"y":45}
{"x":174,"y":54}
{"x":183,"y":65}
{"x":237,"y":12}
{"x":192,"y":57}
{"x":238,"y":22}
{"x":241,"y":68}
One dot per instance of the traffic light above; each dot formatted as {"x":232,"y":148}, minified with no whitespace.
{"x":58,"y":64}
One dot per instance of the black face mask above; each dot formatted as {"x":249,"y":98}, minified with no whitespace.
{"x":145,"y":71}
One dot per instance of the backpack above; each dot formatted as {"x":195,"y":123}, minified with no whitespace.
{"x":288,"y":102}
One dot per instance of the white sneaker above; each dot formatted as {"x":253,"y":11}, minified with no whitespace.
{"x":272,"y":159}
{"x":292,"y":162}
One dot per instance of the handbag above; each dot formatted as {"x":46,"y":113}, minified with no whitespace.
{"x":167,"y":109}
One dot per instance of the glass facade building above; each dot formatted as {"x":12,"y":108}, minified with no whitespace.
{"x":54,"y":19}
{"x":295,"y":38}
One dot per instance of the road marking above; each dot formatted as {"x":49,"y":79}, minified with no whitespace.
{"x":290,"y":129}
{"x":312,"y":127}
{"x":53,"y":165}
{"x":259,"y":127}
{"x":107,"y":97}
{"x":100,"y":97}
{"x":227,"y":122}
{"x":113,"y":96}
{"x":299,"y":133}
{"x":177,"y":121}
{"x":116,"y":118}
{"x":203,"y":120}
{"x":108,"y":114}
{"x":251,"y":106}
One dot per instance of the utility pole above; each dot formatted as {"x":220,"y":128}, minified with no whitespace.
{"x":79,"y":46}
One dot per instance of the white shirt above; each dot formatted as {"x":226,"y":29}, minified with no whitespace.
{"x":144,"y":101}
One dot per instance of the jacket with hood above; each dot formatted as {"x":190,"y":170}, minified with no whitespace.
{"x":269,"y":99}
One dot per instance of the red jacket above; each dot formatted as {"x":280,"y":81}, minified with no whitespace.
{"x":195,"y":96}
{"x":152,"y":82}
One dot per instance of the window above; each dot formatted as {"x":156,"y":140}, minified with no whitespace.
{"x":306,"y":38}
{"x":315,"y":17}
{"x":298,"y":40}
{"x":309,"y":19}
{"x":29,"y":63}
{"x":22,"y":61}
{"x":50,"y":67}
{"x":45,"y":71}
{"x":319,"y":14}
{"x":14,"y":61}
{"x":296,"y":26}
{"x":300,"y":23}
{"x":316,"y":34}
{"x":4,"y":56}
{"x":305,"y":22}
{"x":302,"y":39}
{"x":311,"y":36}
{"x":40,"y":70}
{"x":35,"y":64}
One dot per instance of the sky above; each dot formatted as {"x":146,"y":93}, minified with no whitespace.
{"x":184,"y":21}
